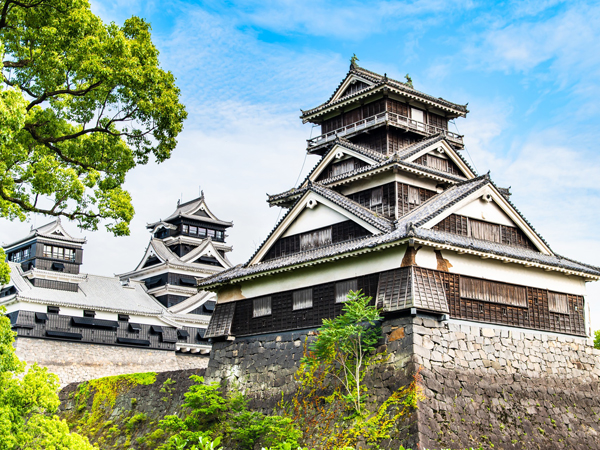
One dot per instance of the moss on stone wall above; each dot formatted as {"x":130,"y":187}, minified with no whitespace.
{"x":116,"y":412}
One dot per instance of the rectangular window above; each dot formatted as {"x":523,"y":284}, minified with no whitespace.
{"x":303,"y":299}
{"x":414,"y":196}
{"x":185,"y":229}
{"x":485,"y":230}
{"x":124,"y":317}
{"x":201,"y":232}
{"x":437,"y":163}
{"x":417,"y":114}
{"x":342,"y":167}
{"x":193,"y":230}
{"x":87,"y":313}
{"x":53,"y":309}
{"x":490,"y":291}
{"x":261,"y":306}
{"x":558,"y":303}
{"x":377,"y":196}
{"x":315,"y":239}
{"x":220,"y":235}
{"x":342,"y":288}
{"x":26,"y":253}
{"x":211,"y":233}
{"x":69,"y":254}
{"x":47,"y":251}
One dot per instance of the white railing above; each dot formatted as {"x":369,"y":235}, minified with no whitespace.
{"x":384,"y":117}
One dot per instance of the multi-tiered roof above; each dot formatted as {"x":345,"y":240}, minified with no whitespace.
{"x":188,"y":244}
{"x":391,"y":175}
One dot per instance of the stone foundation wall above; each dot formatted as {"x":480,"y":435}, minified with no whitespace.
{"x":484,"y":385}
{"x":76,"y":362}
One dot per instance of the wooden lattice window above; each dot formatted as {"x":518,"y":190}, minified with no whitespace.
{"x":377,"y":196}
{"x":315,"y":239}
{"x":413,"y":196}
{"x":342,"y":167}
{"x":342,"y":288}
{"x":440,"y":164}
{"x":558,"y":303}
{"x":490,"y":291}
{"x":261,"y":306}
{"x":485,"y":230}
{"x":303,"y":299}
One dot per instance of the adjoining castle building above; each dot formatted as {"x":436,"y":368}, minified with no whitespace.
{"x":393,"y":209}
{"x":149,"y":318}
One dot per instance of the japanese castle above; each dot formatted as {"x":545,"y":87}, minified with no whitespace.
{"x":393,"y":209}
{"x":156,"y":306}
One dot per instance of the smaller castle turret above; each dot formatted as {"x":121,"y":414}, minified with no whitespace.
{"x":188,"y":244}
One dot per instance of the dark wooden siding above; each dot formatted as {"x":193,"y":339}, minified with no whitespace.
{"x":437,"y":121}
{"x":340,"y":232}
{"x":405,"y":205}
{"x":93,"y":335}
{"x":354,"y":88}
{"x":536,"y":315}
{"x":283,"y":317}
{"x":386,"y":208}
{"x":386,"y":141}
{"x":461,"y":225}
{"x":53,"y":284}
{"x":46,"y":264}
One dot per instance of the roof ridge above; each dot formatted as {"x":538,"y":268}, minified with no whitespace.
{"x":365,"y":211}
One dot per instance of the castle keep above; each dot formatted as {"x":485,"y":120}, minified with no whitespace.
{"x":469,"y":290}
{"x":85,"y":326}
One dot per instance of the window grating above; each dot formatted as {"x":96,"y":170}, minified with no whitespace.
{"x":261,"y":306}
{"x":558,"y":303}
{"x":342,"y":288}
{"x":490,"y":291}
{"x":303,"y":299}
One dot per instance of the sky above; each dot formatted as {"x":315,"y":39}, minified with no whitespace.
{"x":528,"y":70}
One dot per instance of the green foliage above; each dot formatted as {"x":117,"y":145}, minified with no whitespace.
{"x":209,"y":414}
{"x":105,"y":392}
{"x":83,"y":103}
{"x":597,"y":339}
{"x":4,"y":268}
{"x":135,"y":420}
{"x":28,"y":398}
{"x":346,"y":343}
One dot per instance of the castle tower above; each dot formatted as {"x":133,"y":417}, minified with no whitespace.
{"x":393,"y":209}
{"x":49,"y":256}
{"x":188,"y":244}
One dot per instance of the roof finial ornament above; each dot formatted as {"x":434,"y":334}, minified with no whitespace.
{"x":487,"y":175}
{"x":353,"y":60}
{"x":409,"y":82}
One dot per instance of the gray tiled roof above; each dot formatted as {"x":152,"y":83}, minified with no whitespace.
{"x":380,"y":81}
{"x":47,"y":231}
{"x":355,"y":208}
{"x":188,"y":209}
{"x":94,"y":292}
{"x":406,"y":227}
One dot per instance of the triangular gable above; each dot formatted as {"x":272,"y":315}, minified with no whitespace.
{"x":337,"y":154}
{"x":352,"y":81}
{"x":500,"y":212}
{"x":206,"y":249}
{"x":310,"y":200}
{"x":440,"y":149}
{"x":192,"y":303}
{"x":150,"y":253}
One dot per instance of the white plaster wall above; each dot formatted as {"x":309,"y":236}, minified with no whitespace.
{"x":391,"y":258}
{"x":311,"y":219}
{"x":488,"y":211}
{"x":492,"y":269}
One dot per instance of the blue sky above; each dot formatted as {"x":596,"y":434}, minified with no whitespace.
{"x":528,"y":70}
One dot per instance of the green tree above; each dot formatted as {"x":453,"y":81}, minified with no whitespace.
{"x":346,"y":342}
{"x":597,"y":339}
{"x":83,"y":103}
{"x":28,"y":398}
{"x":4,"y":269}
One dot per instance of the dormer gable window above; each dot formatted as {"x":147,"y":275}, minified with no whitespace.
{"x":342,"y":167}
